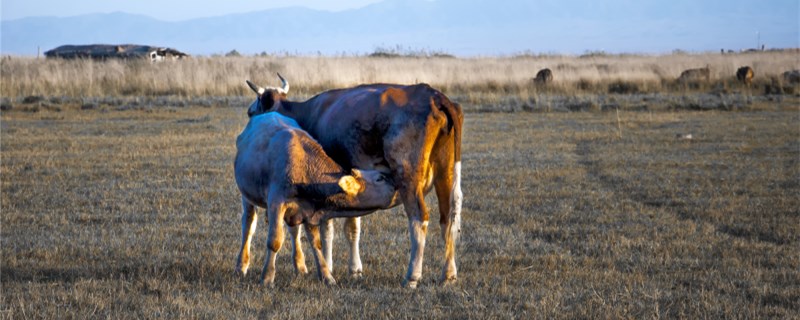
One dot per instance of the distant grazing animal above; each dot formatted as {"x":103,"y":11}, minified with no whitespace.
{"x":792,"y":76}
{"x":281,"y":168}
{"x":699,"y":74}
{"x":544,"y":76}
{"x":745,"y":75}
{"x":412,"y":132}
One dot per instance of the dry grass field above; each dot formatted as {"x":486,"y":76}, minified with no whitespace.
{"x":118,"y":198}
{"x":133,"y":213}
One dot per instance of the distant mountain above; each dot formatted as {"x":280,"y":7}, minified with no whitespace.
{"x":462,"y":27}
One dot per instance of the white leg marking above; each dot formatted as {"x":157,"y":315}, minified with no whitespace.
{"x":418,"y":229}
{"x":457,"y":196}
{"x":352,"y":230}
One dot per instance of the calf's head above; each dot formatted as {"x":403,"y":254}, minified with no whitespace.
{"x":268,"y":98}
{"x":368,"y":189}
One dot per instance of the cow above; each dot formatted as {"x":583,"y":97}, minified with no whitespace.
{"x":699,"y":74}
{"x":279,"y":167}
{"x":544,"y":76}
{"x":745,"y":75}
{"x":412,"y":132}
{"x":791,"y":76}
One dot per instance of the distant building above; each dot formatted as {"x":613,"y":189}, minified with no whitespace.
{"x":108,"y":51}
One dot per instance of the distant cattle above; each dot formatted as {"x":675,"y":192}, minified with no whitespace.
{"x":699,"y":74}
{"x":745,"y":75}
{"x":544,"y":76}
{"x":280,"y":167}
{"x":105,"y":51}
{"x":792,"y":76}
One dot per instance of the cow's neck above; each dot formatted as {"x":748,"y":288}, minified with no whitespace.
{"x":300,"y":112}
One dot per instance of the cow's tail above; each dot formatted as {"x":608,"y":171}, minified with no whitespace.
{"x":455,"y":119}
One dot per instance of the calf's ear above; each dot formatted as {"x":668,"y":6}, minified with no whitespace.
{"x":350,"y":185}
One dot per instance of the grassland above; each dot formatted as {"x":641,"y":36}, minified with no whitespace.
{"x":473,"y":78}
{"x":133,"y":213}
{"x":118,"y":200}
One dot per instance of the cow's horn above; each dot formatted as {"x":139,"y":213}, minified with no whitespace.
{"x":284,"y":85}
{"x":257,"y":89}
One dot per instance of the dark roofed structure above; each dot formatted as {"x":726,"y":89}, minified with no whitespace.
{"x":109,"y":51}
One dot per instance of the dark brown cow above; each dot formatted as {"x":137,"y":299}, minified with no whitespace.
{"x":413,"y":132}
{"x":699,"y":74}
{"x":544,"y":76}
{"x":745,"y":75}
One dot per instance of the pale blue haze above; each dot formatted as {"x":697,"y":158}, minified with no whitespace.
{"x":461,"y":27}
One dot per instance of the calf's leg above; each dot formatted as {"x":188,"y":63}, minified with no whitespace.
{"x":297,"y":252}
{"x":249,"y":222}
{"x":323,"y":272}
{"x":275,"y":238}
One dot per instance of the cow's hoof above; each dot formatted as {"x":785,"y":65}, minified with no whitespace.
{"x":268,"y":283}
{"x":411,"y":284}
{"x":356,"y":274}
{"x":241,"y":270}
{"x":329,"y":281}
{"x":445,"y":281}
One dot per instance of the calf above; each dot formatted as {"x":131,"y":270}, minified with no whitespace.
{"x":281,"y":168}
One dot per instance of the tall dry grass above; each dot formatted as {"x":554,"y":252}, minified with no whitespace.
{"x":224,"y":76}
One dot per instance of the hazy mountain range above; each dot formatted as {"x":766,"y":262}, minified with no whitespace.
{"x":461,"y":27}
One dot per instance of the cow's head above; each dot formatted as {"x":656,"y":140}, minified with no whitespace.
{"x":268,"y":98}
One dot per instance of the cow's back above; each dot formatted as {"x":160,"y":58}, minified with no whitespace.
{"x":352,"y":124}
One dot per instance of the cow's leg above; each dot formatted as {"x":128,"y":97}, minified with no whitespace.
{"x":327,"y":242}
{"x":408,"y":153}
{"x":414,"y":203}
{"x":448,"y":191}
{"x":249,"y":222}
{"x":297,"y":252}
{"x":352,"y":230}
{"x":323,"y":272}
{"x":275,"y":213}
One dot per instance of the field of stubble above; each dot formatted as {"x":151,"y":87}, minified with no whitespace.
{"x":134,"y":214}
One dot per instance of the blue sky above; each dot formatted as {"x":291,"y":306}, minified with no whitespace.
{"x":461,"y":27}
{"x":168,"y":10}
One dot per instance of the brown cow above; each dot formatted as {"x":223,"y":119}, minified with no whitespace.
{"x":281,"y":168}
{"x":413,"y":132}
{"x":745,"y":75}
{"x":544,"y":76}
{"x":699,"y":74}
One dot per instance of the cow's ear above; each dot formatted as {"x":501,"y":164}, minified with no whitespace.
{"x":350,"y":185}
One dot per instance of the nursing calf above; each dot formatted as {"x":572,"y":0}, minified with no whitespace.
{"x":281,"y":168}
